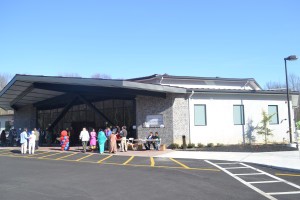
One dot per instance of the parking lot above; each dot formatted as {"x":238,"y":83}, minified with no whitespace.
{"x":74,"y":175}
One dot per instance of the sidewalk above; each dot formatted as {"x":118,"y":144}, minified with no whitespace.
{"x":289,"y":160}
{"x":78,"y":149}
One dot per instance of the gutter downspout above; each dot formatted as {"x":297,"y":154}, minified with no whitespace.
{"x":189,"y":98}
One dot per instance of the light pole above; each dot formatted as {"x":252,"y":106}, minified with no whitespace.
{"x":290,"y":58}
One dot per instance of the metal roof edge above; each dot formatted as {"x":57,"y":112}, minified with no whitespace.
{"x":92,"y":82}
{"x":143,"y":77}
{"x":101,"y":82}
{"x":208,"y":78}
{"x":70,"y":80}
{"x":154,"y":87}
{"x":241,"y":91}
{"x":191,"y":77}
{"x":195,"y":78}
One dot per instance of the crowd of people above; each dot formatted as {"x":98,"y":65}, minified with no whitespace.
{"x":13,"y":137}
{"x":29,"y":140}
{"x":111,"y":139}
{"x":108,"y":139}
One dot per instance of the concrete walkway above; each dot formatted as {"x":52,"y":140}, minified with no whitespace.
{"x":289,"y":160}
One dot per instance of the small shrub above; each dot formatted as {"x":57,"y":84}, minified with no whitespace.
{"x":210,"y":145}
{"x":200,"y":145}
{"x":219,"y":145}
{"x":174,"y":146}
{"x":191,"y":145}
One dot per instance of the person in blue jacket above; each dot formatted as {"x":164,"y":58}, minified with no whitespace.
{"x":23,"y":141}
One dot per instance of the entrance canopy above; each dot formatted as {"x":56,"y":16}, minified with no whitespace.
{"x":46,"y":92}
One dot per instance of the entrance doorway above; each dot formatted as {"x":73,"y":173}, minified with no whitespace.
{"x":77,"y":128}
{"x":119,"y":112}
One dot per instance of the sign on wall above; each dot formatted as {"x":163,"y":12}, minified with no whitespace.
{"x":154,"y":121}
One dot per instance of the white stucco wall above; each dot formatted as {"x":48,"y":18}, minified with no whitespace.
{"x":220,"y":127}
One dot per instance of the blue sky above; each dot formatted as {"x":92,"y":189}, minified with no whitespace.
{"x":133,"y":38}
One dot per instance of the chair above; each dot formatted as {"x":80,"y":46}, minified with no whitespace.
{"x":157,"y":144}
{"x":130,"y":144}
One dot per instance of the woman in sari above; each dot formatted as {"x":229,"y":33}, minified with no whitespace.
{"x":93,"y":140}
{"x":101,"y":140}
{"x":113,"y":143}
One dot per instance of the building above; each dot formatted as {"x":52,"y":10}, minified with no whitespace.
{"x":225,"y":110}
{"x":6,"y":119}
{"x":204,"y":110}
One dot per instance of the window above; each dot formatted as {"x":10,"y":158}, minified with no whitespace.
{"x":238,"y":115}
{"x":200,"y":115}
{"x":273,"y":111}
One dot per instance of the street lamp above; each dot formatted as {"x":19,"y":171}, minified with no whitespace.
{"x":290,"y":58}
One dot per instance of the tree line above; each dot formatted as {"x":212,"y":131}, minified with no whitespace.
{"x":294,"y":85}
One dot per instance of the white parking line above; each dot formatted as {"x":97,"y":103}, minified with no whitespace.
{"x":260,"y":172}
{"x":249,"y":174}
{"x":275,"y":177}
{"x":232,"y":163}
{"x":235,"y":167}
{"x":242,"y":181}
{"x":255,"y":182}
{"x":281,"y":193}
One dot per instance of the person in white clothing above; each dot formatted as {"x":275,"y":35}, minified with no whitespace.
{"x":23,"y":141}
{"x":84,"y":137}
{"x":32,"y":139}
{"x":123,"y":139}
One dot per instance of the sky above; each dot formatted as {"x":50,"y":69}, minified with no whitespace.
{"x":134,"y":38}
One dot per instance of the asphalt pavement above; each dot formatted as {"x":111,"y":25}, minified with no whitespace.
{"x":287,"y":160}
{"x":74,"y":175}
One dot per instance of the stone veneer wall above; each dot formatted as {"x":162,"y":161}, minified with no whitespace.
{"x":25,"y":117}
{"x":181,"y":119}
{"x":174,"y":109}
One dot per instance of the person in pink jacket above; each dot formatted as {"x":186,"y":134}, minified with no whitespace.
{"x":93,"y":140}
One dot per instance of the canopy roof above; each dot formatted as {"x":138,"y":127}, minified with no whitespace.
{"x":47,"y":92}
{"x":44,"y":91}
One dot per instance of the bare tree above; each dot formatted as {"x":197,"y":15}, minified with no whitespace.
{"x":101,"y":76}
{"x":4,"y":79}
{"x":294,"y":83}
{"x":274,"y":85}
{"x":69,"y":75}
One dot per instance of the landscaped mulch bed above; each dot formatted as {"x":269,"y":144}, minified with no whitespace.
{"x":245,"y":148}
